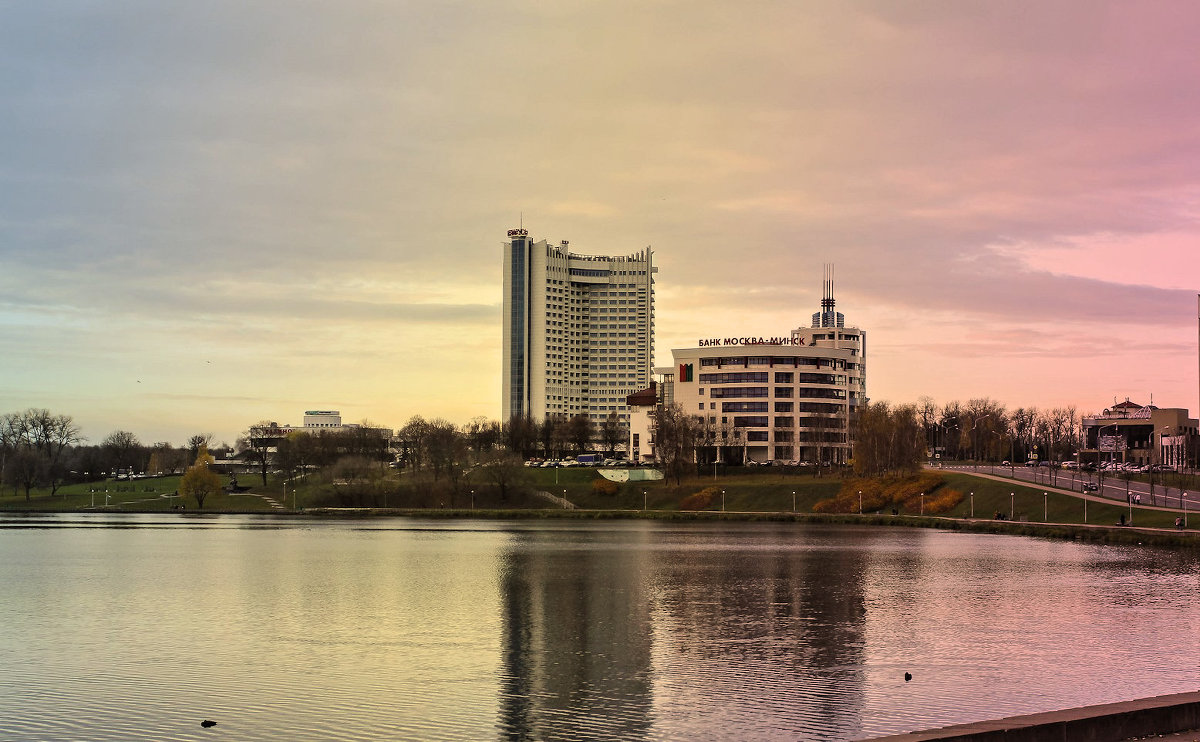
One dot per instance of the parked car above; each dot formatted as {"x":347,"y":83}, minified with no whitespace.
{"x":1090,"y":487}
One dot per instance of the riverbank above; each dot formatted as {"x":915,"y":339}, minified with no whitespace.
{"x":1064,"y":532}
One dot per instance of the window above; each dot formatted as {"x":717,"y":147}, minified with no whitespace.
{"x":732,"y":392}
{"x":784,"y":391}
{"x":783,"y":422}
{"x":750,"y":421}
{"x":743,"y":407}
{"x":757,"y":436}
{"x":784,"y":377}
{"x":783,"y":406}
{"x":737,"y":377}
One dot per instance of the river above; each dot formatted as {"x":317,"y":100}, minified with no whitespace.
{"x":131,"y":627}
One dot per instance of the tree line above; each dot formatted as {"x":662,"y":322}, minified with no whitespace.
{"x":41,"y":449}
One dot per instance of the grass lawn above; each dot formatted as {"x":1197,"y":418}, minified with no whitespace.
{"x":1029,"y":504}
{"x":139,"y":495}
{"x":753,"y":490}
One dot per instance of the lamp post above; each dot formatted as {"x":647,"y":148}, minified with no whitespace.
{"x":1012,"y":456}
{"x":564,"y":499}
{"x":922,"y":503}
{"x":1129,"y":501}
{"x":1045,"y":507}
{"x":645,"y":500}
{"x":1012,"y":505}
{"x":860,"y":509}
{"x":972,"y":505}
{"x":472,"y":499}
{"x":975,"y":438}
{"x":794,"y":502}
{"x":722,"y":501}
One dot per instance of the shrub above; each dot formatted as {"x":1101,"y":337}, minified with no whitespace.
{"x":885,"y":493}
{"x":701,"y":500}
{"x":605,"y":487}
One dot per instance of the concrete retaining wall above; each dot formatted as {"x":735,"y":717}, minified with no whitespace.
{"x":1109,"y":722}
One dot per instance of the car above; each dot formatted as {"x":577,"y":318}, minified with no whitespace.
{"x":1005,"y":463}
{"x":1090,"y":487}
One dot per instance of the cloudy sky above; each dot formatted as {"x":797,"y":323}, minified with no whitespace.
{"x":217,"y":212}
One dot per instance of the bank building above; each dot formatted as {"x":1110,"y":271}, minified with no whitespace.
{"x":782,"y":398}
{"x":578,"y":329}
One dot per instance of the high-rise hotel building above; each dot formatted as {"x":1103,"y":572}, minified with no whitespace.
{"x":578,"y":329}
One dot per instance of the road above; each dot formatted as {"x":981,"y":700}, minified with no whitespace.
{"x":1113,"y":488}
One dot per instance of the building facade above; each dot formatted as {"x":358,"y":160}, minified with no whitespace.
{"x":785,"y":398}
{"x":1128,"y":432}
{"x":578,"y":329}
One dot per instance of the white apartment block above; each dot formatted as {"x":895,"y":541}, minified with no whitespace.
{"x":578,"y":329}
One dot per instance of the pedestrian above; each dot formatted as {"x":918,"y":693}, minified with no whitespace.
{"x":1137,"y":499}
{"x":1179,"y":523}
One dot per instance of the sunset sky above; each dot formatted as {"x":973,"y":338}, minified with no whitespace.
{"x":217,"y":212}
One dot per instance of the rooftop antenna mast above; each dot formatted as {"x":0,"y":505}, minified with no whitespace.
{"x":827,"y":302}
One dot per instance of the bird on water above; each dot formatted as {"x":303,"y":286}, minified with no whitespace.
{"x":907,"y":676}
{"x":206,"y":723}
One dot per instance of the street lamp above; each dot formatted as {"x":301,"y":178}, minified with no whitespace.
{"x":1045,"y":507}
{"x":794,"y":501}
{"x":860,"y":510}
{"x":975,"y":438}
{"x":722,"y":501}
{"x":1012,"y":505}
{"x":645,"y":500}
{"x":472,"y":499}
{"x":972,"y":505}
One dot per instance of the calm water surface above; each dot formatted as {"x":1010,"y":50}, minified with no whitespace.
{"x":137,"y":627}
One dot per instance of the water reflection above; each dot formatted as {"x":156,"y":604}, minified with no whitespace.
{"x":667,"y":634}
{"x":577,"y":638}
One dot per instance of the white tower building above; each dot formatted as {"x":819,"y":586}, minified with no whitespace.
{"x":578,"y":329}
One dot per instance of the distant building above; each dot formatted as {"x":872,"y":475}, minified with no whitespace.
{"x":322,"y":419}
{"x":1129,"y":432}
{"x":578,"y":329}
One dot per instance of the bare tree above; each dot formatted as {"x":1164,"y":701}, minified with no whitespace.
{"x":484,"y":435}
{"x":676,"y":434}
{"x":505,"y":471}
{"x":612,"y":433}
{"x":123,"y":449}
{"x":520,"y":435}
{"x":258,"y":445}
{"x":579,"y":432}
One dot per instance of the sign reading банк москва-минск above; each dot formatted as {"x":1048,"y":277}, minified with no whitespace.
{"x":710,"y":342}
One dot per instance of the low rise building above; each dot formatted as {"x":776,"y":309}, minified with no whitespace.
{"x":1129,"y":432}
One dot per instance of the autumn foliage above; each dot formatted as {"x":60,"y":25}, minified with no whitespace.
{"x":605,"y":487}
{"x":898,"y":493}
{"x":701,"y":500}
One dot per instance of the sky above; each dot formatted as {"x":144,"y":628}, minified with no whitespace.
{"x":214,"y":213}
